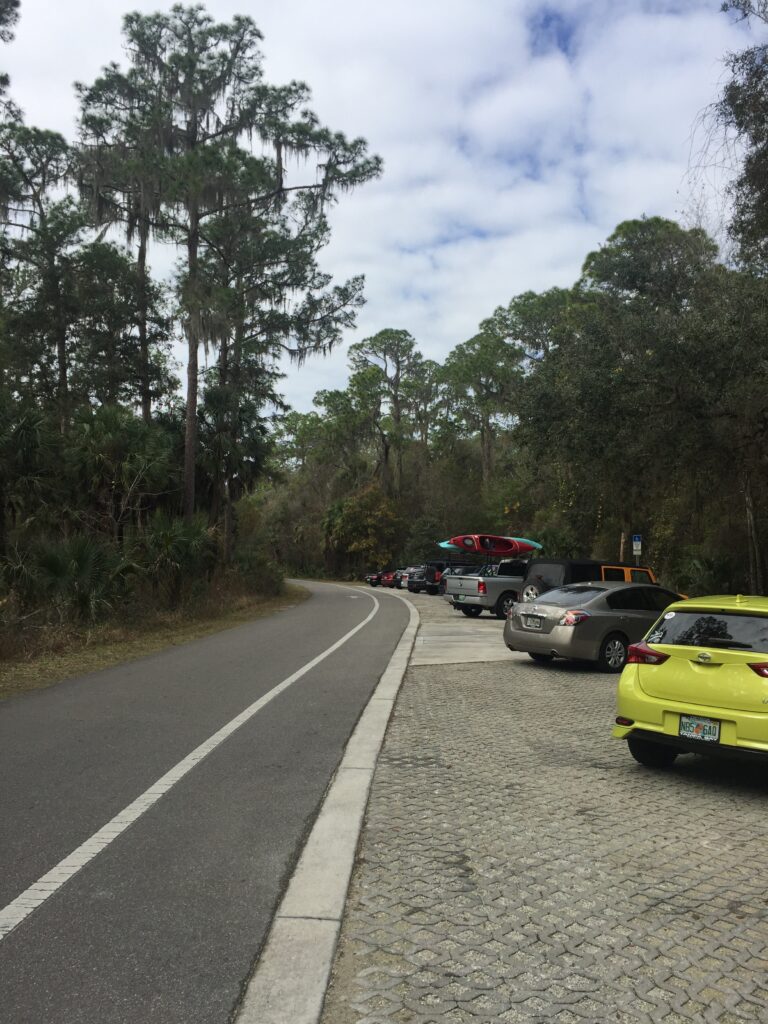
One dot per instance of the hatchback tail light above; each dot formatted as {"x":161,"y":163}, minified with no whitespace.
{"x":573,"y":618}
{"x":761,"y":668}
{"x":642,"y":654}
{"x":481,"y":587}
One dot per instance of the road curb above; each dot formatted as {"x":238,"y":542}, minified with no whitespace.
{"x":292,"y":975}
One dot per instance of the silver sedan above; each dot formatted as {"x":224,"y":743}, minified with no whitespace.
{"x":586,"y":621}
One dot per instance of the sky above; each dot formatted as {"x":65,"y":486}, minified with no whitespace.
{"x":515,"y":135}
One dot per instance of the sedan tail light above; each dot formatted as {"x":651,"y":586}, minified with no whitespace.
{"x":642,"y":654}
{"x":761,"y":668}
{"x":572,"y":618}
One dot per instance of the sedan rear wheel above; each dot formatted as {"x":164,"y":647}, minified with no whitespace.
{"x":613,"y":653}
{"x":472,"y":611}
{"x":650,"y":754}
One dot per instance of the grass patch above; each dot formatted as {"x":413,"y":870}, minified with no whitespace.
{"x":74,"y":653}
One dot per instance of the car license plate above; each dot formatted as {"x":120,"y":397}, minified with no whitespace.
{"x":533,"y":621}
{"x":460,"y":597}
{"x":705,"y":729}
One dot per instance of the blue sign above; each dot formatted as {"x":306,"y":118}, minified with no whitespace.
{"x":637,"y":538}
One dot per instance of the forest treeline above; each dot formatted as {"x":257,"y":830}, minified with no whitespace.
{"x":118,"y":487}
{"x":633,"y":401}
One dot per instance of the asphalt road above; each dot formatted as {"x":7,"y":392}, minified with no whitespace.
{"x":165,"y":924}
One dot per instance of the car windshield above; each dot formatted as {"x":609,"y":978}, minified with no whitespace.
{"x":571,"y":595}
{"x":712,"y":629}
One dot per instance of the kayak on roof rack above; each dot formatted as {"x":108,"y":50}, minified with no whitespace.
{"x":491,"y":544}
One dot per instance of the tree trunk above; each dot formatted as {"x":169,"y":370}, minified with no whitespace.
{"x":386,"y":470}
{"x":229,"y":524}
{"x":61,"y":355}
{"x":398,"y":438}
{"x":753,"y":543}
{"x":3,"y":532}
{"x":234,"y":380}
{"x":146,"y":398}
{"x":486,"y":453}
{"x":63,"y":389}
{"x":193,"y":345}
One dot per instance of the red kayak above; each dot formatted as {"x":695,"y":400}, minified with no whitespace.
{"x":489,"y":544}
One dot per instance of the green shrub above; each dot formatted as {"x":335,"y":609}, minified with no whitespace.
{"x":175,"y":556}
{"x":76,"y":578}
{"x":258,"y":572}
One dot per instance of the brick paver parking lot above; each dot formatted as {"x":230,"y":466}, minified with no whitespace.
{"x":517,"y":865}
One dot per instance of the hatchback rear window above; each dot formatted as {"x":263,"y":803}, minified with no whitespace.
{"x":712,"y":629}
{"x":570,"y":595}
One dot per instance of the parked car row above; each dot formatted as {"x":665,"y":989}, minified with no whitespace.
{"x":395,"y":578}
{"x":497,"y":588}
{"x":415,"y":578}
{"x":582,"y":609}
{"x":694,"y":672}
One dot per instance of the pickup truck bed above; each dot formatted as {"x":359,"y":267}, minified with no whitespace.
{"x":495,"y":592}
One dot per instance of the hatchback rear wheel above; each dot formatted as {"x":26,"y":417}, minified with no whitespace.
{"x":650,"y":754}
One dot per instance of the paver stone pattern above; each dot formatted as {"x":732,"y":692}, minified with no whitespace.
{"x":518,"y":866}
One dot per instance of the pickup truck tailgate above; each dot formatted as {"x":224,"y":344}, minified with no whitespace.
{"x":457,"y":585}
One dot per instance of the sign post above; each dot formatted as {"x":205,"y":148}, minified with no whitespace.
{"x":637,"y":546}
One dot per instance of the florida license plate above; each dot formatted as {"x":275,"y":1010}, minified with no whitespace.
{"x":694,"y":728}
{"x":460,"y":597}
{"x":533,"y":621}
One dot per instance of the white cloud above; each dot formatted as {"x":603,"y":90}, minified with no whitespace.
{"x":515,"y":134}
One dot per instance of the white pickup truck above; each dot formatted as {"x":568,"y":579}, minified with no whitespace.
{"x":496,"y":590}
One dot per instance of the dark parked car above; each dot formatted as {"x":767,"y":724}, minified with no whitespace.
{"x":374,"y":578}
{"x":403,"y":575}
{"x":426,"y":577}
{"x":545,"y":574}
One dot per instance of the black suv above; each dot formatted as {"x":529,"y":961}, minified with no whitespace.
{"x":426,"y":577}
{"x":545,"y":574}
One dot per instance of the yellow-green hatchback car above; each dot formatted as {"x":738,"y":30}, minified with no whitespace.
{"x":698,"y":682}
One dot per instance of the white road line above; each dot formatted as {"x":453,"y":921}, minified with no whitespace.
{"x":291,"y":977}
{"x":29,"y":900}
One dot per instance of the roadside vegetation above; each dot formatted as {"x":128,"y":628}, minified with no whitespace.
{"x":123,"y":496}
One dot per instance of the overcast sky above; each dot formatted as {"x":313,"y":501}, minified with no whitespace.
{"x":515,"y":135}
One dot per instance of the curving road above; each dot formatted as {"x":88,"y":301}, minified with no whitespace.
{"x":165,"y":923}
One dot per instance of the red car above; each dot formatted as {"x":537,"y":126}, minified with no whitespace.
{"x":388,"y":578}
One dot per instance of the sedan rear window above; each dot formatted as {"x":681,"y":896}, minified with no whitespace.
{"x":570,"y":595}
{"x":712,"y":629}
